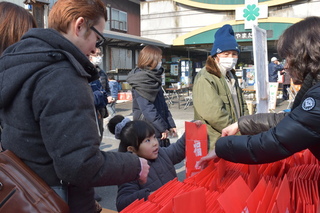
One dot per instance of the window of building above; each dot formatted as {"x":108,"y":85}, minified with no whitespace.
{"x":118,"y":20}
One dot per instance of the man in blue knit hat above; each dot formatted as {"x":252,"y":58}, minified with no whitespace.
{"x":217,"y":97}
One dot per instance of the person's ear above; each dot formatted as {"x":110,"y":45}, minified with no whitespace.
{"x":131,"y":149}
{"x":80,"y":26}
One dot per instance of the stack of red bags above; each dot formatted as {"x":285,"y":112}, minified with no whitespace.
{"x":289,"y":185}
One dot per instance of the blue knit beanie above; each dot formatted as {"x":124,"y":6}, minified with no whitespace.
{"x":224,"y":40}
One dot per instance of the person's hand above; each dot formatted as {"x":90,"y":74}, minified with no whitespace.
{"x":173,"y":132}
{"x":204,"y":161}
{"x":198,"y":123}
{"x":230,"y":130}
{"x":110,"y":99}
{"x":164,"y":135}
{"x":143,"y":175}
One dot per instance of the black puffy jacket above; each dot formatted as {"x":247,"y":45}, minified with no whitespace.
{"x":297,"y":131}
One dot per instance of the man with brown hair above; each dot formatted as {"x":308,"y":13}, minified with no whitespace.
{"x":47,"y":110}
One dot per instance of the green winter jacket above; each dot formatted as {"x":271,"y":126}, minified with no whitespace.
{"x":213,"y":103}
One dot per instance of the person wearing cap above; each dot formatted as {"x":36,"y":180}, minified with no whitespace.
{"x":269,"y":137}
{"x":273,"y":69}
{"x":217,"y":96}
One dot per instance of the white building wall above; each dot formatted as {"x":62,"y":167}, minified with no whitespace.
{"x":18,"y":2}
{"x":165,"y":20}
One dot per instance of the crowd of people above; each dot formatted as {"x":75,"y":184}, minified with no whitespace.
{"x":54,"y":97}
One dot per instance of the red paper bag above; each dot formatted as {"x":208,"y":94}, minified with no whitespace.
{"x":284,"y":195}
{"x":233,"y":199}
{"x":193,"y":201}
{"x":196,"y":146}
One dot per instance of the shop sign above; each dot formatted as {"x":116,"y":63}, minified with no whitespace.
{"x":251,"y":13}
{"x":248,"y":35}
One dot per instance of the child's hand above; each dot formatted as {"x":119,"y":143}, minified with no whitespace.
{"x":198,"y":123}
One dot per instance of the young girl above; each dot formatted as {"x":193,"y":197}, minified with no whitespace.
{"x":139,"y":138}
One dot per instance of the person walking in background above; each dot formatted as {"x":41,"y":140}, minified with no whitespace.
{"x":101,"y":90}
{"x":286,"y":84}
{"x":138,"y":137}
{"x":148,"y":100}
{"x":299,"y":129}
{"x":273,"y":68}
{"x":217,"y":96}
{"x":114,"y":89}
{"x":100,"y":98}
{"x":96,"y":60}
{"x":47,"y":111}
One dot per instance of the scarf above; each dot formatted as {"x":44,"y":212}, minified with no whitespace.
{"x":146,"y":82}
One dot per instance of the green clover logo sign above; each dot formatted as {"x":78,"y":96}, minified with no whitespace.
{"x":251,"y":12}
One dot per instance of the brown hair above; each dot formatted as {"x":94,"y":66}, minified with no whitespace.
{"x":15,"y":21}
{"x":300,"y":46}
{"x":149,"y":57}
{"x":65,"y":11}
{"x":212,"y":67}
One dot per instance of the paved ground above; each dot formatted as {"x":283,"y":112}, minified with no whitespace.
{"x":109,"y":143}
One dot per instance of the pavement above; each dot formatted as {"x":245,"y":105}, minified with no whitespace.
{"x":109,"y":143}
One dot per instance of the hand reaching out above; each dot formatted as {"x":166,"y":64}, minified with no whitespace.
{"x":230,"y":130}
{"x":203,"y":162}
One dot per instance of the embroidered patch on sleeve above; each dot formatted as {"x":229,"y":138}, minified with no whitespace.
{"x":308,"y":104}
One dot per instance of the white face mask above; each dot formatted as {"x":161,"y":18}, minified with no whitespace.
{"x":96,"y":60}
{"x":158,"y":65}
{"x":228,"y":63}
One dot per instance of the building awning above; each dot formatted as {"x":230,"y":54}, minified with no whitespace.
{"x":227,"y":5}
{"x":130,"y":41}
{"x":205,"y":35}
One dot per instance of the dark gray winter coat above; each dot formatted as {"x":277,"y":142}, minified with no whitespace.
{"x":48,"y":117}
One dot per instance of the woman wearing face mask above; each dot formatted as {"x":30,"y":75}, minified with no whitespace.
{"x":217,"y":97}
{"x":148,"y":100}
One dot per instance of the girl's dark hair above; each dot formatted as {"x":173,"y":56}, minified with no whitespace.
{"x":300,"y":45}
{"x":132,"y":134}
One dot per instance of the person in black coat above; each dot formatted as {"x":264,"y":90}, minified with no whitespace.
{"x":291,"y":132}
